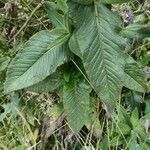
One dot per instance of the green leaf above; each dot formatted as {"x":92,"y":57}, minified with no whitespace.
{"x":57,"y":110}
{"x":10,"y":108}
{"x":134,"y":78}
{"x":124,"y":116}
{"x":123,"y":129}
{"x":133,"y":142}
{"x":62,"y":5}
{"x":76,"y":104}
{"x":74,"y":46}
{"x":39,"y":58}
{"x":142,"y":126}
{"x":141,"y":131}
{"x":113,"y":1}
{"x":147,"y":107}
{"x":116,"y":141}
{"x":58,"y":19}
{"x":136,"y":31}
{"x":4,"y":63}
{"x":145,"y":146}
{"x":94,"y":123}
{"x":51,"y":83}
{"x":134,"y":117}
{"x":101,"y":49}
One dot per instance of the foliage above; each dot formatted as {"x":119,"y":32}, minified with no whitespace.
{"x":90,"y":67}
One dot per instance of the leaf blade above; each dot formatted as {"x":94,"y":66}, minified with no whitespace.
{"x":50,"y":83}
{"x":4,"y":63}
{"x":76,"y":104}
{"x":42,"y":54}
{"x":102,"y":54}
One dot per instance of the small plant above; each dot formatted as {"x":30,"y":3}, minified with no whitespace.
{"x":84,"y":55}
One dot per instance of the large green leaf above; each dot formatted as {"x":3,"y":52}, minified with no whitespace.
{"x":40,"y":57}
{"x":76,"y":104}
{"x":98,"y":43}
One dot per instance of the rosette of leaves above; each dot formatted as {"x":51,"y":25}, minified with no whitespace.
{"x":90,"y":34}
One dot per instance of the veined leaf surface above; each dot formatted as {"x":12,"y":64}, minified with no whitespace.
{"x":136,"y":31}
{"x":53,"y":10}
{"x":40,"y":57}
{"x":76,"y":104}
{"x":51,"y":83}
{"x":98,"y":43}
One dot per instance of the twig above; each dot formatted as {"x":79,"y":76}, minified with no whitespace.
{"x":41,"y":23}
{"x":31,"y":11}
{"x":27,"y":21}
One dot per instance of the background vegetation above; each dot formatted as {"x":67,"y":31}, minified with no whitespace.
{"x":32,"y":120}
